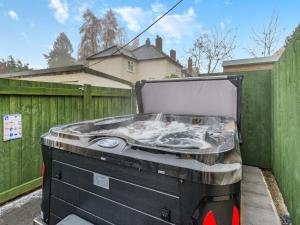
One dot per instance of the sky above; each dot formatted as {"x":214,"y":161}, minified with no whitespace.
{"x":29,"y":28}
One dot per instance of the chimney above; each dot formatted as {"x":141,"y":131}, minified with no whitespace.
{"x":148,"y":42}
{"x":158,"y":42}
{"x":173,"y":54}
{"x":190,"y":66}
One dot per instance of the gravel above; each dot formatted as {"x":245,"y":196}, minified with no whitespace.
{"x":277,"y":198}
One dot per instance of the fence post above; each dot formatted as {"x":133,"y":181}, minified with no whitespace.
{"x":133,"y":102}
{"x":87,"y":102}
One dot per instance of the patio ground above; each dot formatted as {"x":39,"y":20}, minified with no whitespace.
{"x":22,"y":210}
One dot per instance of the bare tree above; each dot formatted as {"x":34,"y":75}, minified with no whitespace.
{"x":265,"y":41}
{"x":90,"y":30}
{"x":210,"y":49}
{"x":110,"y":30}
{"x":98,"y":34}
{"x":121,"y":38}
{"x":11,"y":65}
{"x":135,"y":44}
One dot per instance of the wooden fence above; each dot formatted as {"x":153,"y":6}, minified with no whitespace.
{"x":44,"y":105}
{"x":286,"y":124}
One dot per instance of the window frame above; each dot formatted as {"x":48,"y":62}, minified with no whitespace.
{"x":130,"y":66}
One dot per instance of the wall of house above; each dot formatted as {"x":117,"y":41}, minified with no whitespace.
{"x":148,"y":69}
{"x":79,"y":78}
{"x":174,"y":69}
{"x":157,"y":69}
{"x":115,"y":66}
{"x":127,"y":75}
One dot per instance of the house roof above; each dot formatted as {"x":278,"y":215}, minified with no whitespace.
{"x":249,"y":61}
{"x":113,"y":50}
{"x":144,"y":52}
{"x":62,"y":70}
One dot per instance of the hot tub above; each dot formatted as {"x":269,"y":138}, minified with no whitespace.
{"x":175,"y":162}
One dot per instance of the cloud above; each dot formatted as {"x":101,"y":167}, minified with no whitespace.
{"x":177,"y":25}
{"x":222,"y":25}
{"x":32,"y":24}
{"x":133,"y":16}
{"x":81,"y":8}
{"x":12,"y":14}
{"x":24,"y":35}
{"x":158,"y":8}
{"x":61,"y":10}
{"x":225,"y":23}
{"x":172,"y":25}
{"x":228,"y":2}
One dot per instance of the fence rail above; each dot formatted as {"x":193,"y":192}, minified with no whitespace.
{"x":44,"y":105}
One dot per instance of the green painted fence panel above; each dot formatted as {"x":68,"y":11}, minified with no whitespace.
{"x":256,"y":118}
{"x":44,"y":105}
{"x":286,"y":125}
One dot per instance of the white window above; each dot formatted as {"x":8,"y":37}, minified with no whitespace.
{"x":130,"y":66}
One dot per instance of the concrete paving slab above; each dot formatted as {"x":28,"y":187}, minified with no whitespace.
{"x":254,"y":188}
{"x":257,"y":206}
{"x":22,"y":210}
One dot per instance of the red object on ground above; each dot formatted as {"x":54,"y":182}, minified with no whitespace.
{"x":43,"y":170}
{"x":209,"y":219}
{"x":235,"y":216}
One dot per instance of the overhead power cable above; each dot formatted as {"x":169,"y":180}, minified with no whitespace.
{"x":147,"y":28}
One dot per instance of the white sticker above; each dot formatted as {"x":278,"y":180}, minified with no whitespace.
{"x":12,"y":127}
{"x":101,"y":181}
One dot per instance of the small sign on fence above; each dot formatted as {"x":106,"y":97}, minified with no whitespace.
{"x":12,"y":127}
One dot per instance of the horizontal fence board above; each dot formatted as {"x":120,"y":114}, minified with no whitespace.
{"x":39,"y":91}
{"x":111,"y":92}
{"x":21,"y":189}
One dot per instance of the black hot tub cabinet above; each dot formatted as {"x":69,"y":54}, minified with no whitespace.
{"x":176,"y":162}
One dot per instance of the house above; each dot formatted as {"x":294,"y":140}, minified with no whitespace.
{"x":76,"y":74}
{"x":190,"y":71}
{"x":142,"y":63}
{"x":112,"y":67}
{"x":250,"y":64}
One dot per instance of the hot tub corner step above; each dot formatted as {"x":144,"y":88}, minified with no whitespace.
{"x":72,"y":220}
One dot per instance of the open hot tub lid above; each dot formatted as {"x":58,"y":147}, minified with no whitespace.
{"x":207,"y":95}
